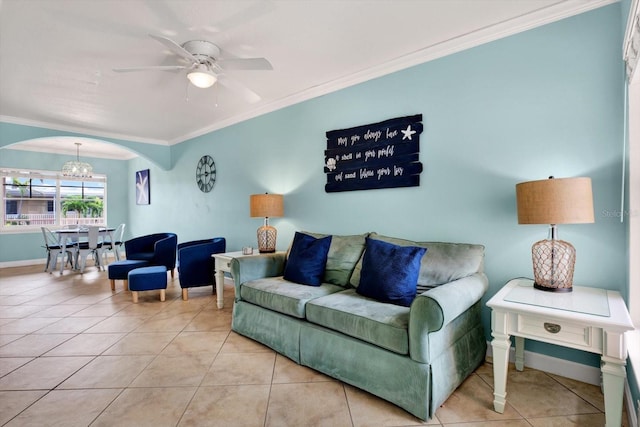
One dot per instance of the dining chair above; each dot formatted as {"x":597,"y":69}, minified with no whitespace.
{"x":92,"y":246}
{"x":54,"y":250}
{"x":114,"y":243}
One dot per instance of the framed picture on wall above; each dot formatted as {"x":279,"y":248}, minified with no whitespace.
{"x":143,"y":188}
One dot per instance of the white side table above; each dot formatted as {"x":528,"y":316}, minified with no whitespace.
{"x":589,"y":319}
{"x":223,"y":265}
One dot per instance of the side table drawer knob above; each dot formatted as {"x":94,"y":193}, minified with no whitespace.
{"x":552,"y":327}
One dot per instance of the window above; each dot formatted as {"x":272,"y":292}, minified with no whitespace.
{"x":32,"y":199}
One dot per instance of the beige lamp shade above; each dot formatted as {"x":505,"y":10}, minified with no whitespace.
{"x":555,"y":201}
{"x":266,"y":205}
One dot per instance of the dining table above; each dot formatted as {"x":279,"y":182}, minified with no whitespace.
{"x":69,"y":234}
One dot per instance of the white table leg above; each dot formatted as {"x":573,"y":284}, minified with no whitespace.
{"x":613,"y":376}
{"x":63,"y":244}
{"x":220,"y":287}
{"x":501,"y":344}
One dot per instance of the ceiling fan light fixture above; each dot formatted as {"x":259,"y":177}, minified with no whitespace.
{"x":202,"y":77}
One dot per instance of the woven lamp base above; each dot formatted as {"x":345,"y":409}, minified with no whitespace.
{"x":553,"y":264}
{"x":267,"y":239}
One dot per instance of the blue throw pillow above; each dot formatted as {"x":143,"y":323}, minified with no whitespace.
{"x":307,"y":259}
{"x":390,"y":272}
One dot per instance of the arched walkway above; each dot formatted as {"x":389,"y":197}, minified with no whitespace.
{"x":11,"y":134}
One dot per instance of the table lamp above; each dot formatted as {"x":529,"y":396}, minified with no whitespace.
{"x":266,"y":205}
{"x":554,"y":201}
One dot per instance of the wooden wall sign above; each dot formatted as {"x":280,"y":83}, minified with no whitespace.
{"x":379,"y":155}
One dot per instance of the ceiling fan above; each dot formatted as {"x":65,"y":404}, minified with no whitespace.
{"x":206,"y":65}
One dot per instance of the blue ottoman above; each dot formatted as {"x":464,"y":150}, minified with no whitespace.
{"x":147,"y":279}
{"x":119,"y":270}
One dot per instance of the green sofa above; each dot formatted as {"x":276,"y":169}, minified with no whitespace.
{"x":414,"y":357}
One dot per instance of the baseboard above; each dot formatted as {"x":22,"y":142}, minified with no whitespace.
{"x":23,"y":263}
{"x":575,"y":371}
{"x":40,"y":261}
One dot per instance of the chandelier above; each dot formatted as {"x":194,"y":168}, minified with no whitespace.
{"x":76,"y":168}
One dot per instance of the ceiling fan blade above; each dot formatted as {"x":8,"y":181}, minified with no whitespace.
{"x":151,"y":67}
{"x":175,"y":48}
{"x":244,"y":64}
{"x":249,"y":95}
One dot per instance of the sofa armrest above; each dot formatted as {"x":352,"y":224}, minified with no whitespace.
{"x":432,"y":310}
{"x":248,"y":268}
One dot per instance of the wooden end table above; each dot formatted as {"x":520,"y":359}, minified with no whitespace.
{"x":589,"y":319}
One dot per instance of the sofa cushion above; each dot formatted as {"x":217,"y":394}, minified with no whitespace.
{"x":390,"y":272}
{"x":307,"y":259}
{"x":443,"y":262}
{"x":283,"y":296}
{"x":344,"y":254}
{"x":381,"y":324}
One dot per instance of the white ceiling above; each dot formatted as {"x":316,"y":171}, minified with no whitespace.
{"x":57,"y":56}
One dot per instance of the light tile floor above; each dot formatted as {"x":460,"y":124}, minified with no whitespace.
{"x":72,"y":353}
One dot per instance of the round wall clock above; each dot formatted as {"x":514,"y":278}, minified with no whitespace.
{"x":206,"y":174}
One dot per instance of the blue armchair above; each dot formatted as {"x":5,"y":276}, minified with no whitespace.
{"x":195,"y":265}
{"x":157,"y":249}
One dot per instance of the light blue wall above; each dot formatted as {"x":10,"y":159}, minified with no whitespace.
{"x":544,"y":102}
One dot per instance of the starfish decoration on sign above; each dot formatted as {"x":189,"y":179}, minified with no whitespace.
{"x":406,"y":134}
